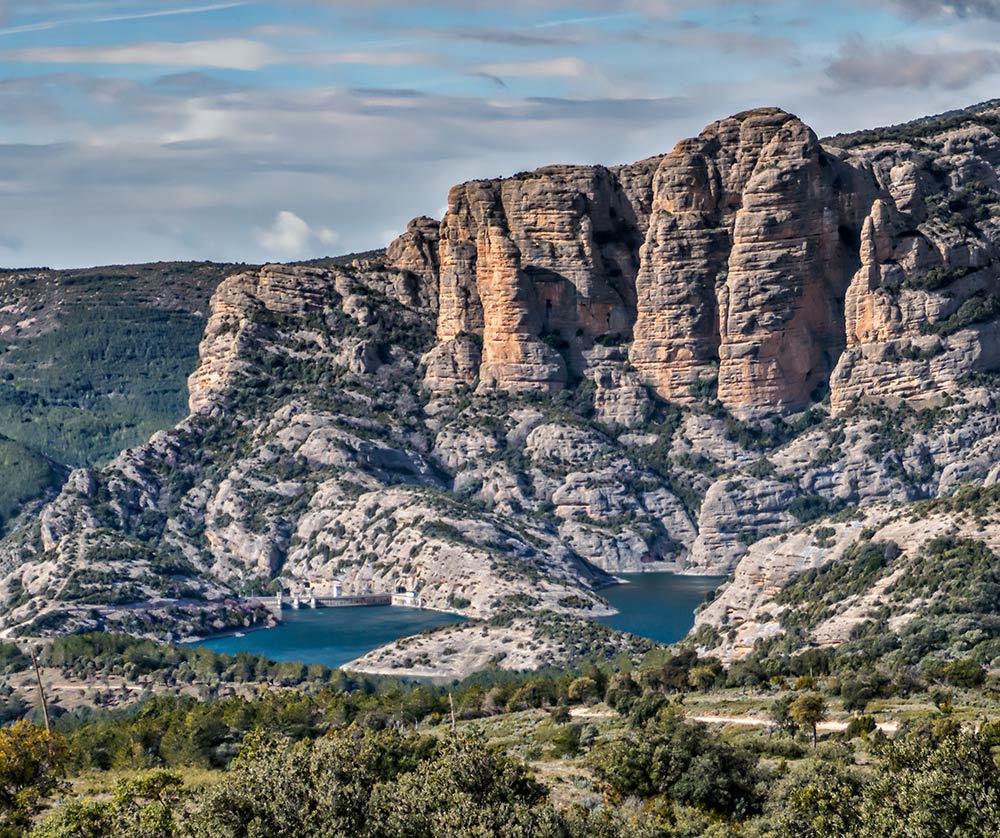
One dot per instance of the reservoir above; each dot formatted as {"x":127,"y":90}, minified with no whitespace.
{"x":331,"y":636}
{"x":659,"y":606}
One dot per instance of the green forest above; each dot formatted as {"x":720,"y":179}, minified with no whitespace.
{"x":604,"y":749}
{"x":100,"y":364}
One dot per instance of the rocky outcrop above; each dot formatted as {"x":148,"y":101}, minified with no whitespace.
{"x":247,"y":306}
{"x":750,"y":262}
{"x":750,"y":607}
{"x":735,"y":514}
{"x":781,"y":308}
{"x":746,"y":263}
{"x":636,"y":181}
{"x":417,"y":249}
{"x":416,"y":254}
{"x":921,"y":312}
{"x":540,"y":266}
{"x":745,"y":257}
{"x":728,"y":258}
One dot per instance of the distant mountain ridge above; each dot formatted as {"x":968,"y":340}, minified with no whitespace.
{"x":579,"y":371}
{"x":96,"y":359}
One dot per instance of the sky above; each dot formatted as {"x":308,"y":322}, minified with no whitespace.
{"x":145,"y":130}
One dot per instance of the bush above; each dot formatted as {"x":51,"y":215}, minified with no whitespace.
{"x":681,"y":761}
{"x":810,"y":507}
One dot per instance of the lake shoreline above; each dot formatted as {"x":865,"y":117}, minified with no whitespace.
{"x":328,"y":636}
{"x":659,"y":606}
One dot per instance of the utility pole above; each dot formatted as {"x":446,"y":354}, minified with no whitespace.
{"x":451,"y":703}
{"x":41,"y":695}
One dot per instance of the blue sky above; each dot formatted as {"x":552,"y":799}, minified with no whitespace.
{"x":139,"y":130}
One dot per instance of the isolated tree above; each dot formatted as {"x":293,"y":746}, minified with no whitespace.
{"x":702,"y":677}
{"x":780,"y":715}
{"x":583,"y":690}
{"x":808,"y":710}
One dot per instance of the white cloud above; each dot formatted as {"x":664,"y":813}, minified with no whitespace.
{"x":291,"y":236}
{"x":865,"y":66}
{"x":227,"y":53}
{"x":567,"y":68}
{"x":224,"y":53}
{"x":372,"y":57}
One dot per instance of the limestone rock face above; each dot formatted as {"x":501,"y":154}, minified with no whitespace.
{"x":245,"y":306}
{"x":745,"y":264}
{"x":921,"y":312}
{"x":780,"y":310}
{"x":221,"y":343}
{"x":453,"y":363}
{"x":416,"y":254}
{"x":750,"y":256}
{"x":238,"y":306}
{"x":682,"y":260}
{"x":636,"y":181}
{"x":734,"y":514}
{"x":540,"y":265}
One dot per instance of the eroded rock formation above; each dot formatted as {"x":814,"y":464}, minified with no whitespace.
{"x":538,"y":266}
{"x":473,"y":415}
{"x":750,"y":256}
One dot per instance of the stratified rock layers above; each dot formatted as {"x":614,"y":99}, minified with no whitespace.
{"x":921,"y":312}
{"x":538,"y":266}
{"x":745,"y":265}
{"x":729,"y":260}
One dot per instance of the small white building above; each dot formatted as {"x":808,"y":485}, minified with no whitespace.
{"x":407,"y":599}
{"x":331,"y":588}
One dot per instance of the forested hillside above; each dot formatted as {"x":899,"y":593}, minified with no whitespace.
{"x":94,"y":361}
{"x":183,"y":742}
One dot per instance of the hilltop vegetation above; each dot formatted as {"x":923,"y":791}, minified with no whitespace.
{"x":921,"y":129}
{"x":606,"y":750}
{"x":26,"y":475}
{"x":94,"y":361}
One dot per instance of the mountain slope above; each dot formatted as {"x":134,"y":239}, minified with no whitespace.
{"x":579,"y":370}
{"x":96,"y":360}
{"x":27,"y":476}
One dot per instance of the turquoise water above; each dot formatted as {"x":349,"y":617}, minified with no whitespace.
{"x":659,"y":606}
{"x":331,"y":636}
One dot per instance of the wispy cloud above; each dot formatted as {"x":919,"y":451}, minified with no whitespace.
{"x":702,"y":39}
{"x":226,"y":53}
{"x":951,"y":8}
{"x":189,"y":10}
{"x":290,"y":236}
{"x":229,"y":53}
{"x":253,"y":133}
{"x":506,"y":37}
{"x":566,"y":68}
{"x":46,"y":25}
{"x":578,"y":21}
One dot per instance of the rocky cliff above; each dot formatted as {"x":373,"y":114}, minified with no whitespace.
{"x":746,"y":263}
{"x":921,"y":312}
{"x":750,"y":259}
{"x":579,"y":370}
